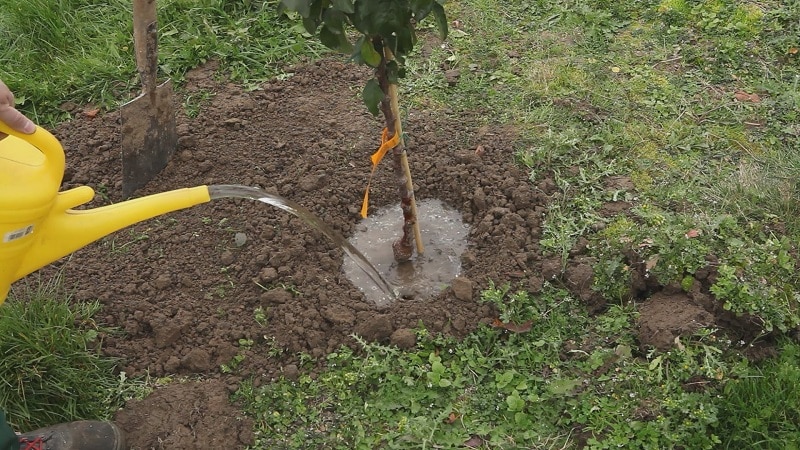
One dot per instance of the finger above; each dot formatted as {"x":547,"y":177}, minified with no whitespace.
{"x":16,"y":120}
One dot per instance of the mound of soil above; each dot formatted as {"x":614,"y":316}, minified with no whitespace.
{"x":183,"y":291}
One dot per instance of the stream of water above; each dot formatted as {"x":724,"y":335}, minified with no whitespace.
{"x":387,"y":293}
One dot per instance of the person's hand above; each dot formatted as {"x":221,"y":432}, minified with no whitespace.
{"x":10,"y":115}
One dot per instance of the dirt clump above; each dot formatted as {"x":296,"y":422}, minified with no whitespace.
{"x":195,"y":413}
{"x":665,"y":317}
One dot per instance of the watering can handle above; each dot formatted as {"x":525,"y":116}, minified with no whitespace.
{"x":46,"y":143}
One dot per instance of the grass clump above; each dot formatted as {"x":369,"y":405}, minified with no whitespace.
{"x":52,"y":370}
{"x":764,"y":408}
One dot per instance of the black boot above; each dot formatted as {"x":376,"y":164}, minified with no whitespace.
{"x":81,"y":435}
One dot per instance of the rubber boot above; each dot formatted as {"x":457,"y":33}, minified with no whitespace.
{"x":80,"y":435}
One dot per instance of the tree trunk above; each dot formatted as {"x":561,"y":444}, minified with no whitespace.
{"x":403,"y":248}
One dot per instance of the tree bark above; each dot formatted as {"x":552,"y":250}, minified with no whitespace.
{"x":403,"y":248}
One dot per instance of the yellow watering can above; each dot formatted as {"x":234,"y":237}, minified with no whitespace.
{"x":38,"y":224}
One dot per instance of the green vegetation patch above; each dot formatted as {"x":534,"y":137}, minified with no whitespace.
{"x":548,"y":377}
{"x":52,"y":370}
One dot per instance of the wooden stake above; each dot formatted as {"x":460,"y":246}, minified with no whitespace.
{"x":398,"y":128}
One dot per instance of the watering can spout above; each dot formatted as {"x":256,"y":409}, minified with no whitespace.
{"x":39,"y":225}
{"x":66,"y":230}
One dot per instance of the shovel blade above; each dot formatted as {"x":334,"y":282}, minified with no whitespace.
{"x":149,"y":137}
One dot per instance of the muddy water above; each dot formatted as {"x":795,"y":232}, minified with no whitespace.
{"x":371,"y":281}
{"x":444,"y":236}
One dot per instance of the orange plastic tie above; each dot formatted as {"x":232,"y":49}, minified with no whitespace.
{"x":386,"y":145}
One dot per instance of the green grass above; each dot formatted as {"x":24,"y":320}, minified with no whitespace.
{"x":765,"y":406}
{"x":660,"y":93}
{"x":52,"y":369}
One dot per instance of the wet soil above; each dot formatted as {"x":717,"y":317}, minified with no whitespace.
{"x":183,"y":291}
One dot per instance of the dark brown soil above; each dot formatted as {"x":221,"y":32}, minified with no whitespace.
{"x":183,"y":293}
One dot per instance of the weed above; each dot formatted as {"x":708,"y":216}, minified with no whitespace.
{"x":244,"y":346}
{"x":193,"y":103}
{"x":123,"y":245}
{"x":260,"y":316}
{"x":273,"y":349}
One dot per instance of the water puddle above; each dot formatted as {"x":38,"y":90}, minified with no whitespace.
{"x":444,"y":236}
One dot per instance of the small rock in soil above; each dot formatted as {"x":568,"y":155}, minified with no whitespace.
{"x":462,"y":288}
{"x":225,"y":352}
{"x":479,"y":199}
{"x":551,"y":268}
{"x":226,"y":258}
{"x":234,"y":123}
{"x":468,"y":258}
{"x":312,"y":182}
{"x":186,"y":142}
{"x":291,"y":372}
{"x":580,"y":247}
{"x":459,"y":323}
{"x":162,"y":282}
{"x":548,"y":186}
{"x":240,"y":239}
{"x":579,"y":275}
{"x":376,"y":328}
{"x":268,"y":274}
{"x":173,"y":364}
{"x":452,"y":76}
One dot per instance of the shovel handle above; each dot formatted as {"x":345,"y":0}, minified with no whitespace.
{"x":145,"y":43}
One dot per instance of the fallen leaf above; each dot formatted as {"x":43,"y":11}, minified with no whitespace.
{"x":474,"y":442}
{"x":513,"y":327}
{"x":745,"y":97}
{"x":452,"y":418}
{"x":480,"y":150}
{"x":793,"y":50}
{"x":693,"y":233}
{"x":651,"y":263}
{"x":91,"y":113}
